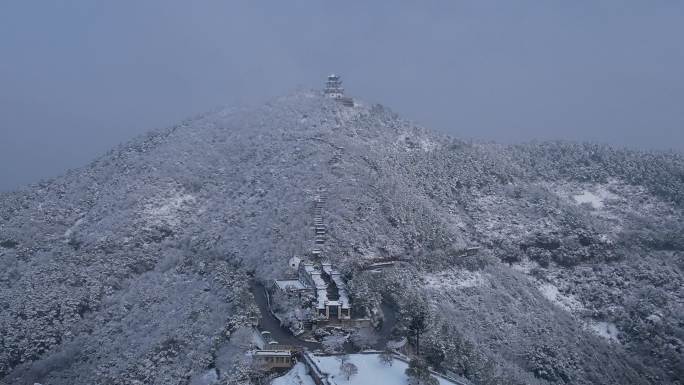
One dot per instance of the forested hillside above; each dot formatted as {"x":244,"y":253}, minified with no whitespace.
{"x":136,"y":268}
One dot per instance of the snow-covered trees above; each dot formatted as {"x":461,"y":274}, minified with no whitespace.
{"x":156,"y":241}
{"x":547,"y":363}
{"x":364,"y":295}
{"x":419,"y":373}
{"x":416,"y":317}
{"x":292,"y":308}
{"x":334,"y":343}
{"x":364,"y":337}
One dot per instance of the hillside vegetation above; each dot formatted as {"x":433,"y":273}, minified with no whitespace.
{"x":136,"y":268}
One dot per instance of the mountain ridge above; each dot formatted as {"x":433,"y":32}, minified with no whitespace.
{"x":178,"y":220}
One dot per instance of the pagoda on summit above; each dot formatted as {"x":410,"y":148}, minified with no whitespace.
{"x":333,"y":89}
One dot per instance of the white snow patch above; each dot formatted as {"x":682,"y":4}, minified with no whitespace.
{"x":296,"y":376}
{"x":421,"y":142}
{"x":208,"y":378}
{"x":607,"y":330}
{"x":371,"y":371}
{"x":456,"y":279}
{"x":595,"y":198}
{"x":168,"y":210}
{"x":655,"y":318}
{"x":589,"y":197}
{"x":569,"y":303}
{"x":71,"y":229}
{"x":427,"y":145}
{"x":566,"y":302}
{"x":605,"y":239}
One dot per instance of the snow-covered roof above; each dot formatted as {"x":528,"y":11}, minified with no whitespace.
{"x":309,"y":268}
{"x":258,"y":339}
{"x":318,"y":281}
{"x":322,"y":286}
{"x":380,"y":264}
{"x":284,"y":353}
{"x":338,"y":281}
{"x":341,"y":287}
{"x":344,"y":299}
{"x":322,"y":298}
{"x":287,"y":284}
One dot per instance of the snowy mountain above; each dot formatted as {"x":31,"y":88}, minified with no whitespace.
{"x":136,"y":268}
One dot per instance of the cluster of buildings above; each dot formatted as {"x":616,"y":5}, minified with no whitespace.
{"x":323,"y":282}
{"x":320,"y":281}
{"x":313,"y":280}
{"x":268,"y":354}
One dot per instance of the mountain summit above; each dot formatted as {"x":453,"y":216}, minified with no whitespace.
{"x":541,"y":263}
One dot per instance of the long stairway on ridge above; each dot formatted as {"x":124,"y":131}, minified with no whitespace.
{"x":320,"y":229}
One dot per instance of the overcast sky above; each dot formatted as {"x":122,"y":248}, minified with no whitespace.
{"x":77,"y":77}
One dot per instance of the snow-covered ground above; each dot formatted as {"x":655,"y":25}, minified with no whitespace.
{"x":571,"y":304}
{"x":595,"y":198}
{"x":371,"y":371}
{"x":564,"y":301}
{"x":71,"y":229}
{"x":456,"y":279}
{"x":607,"y":330}
{"x":168,"y":210}
{"x":525,"y":266}
{"x":296,"y":376}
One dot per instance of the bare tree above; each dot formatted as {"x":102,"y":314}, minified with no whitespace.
{"x":386,"y":357}
{"x":348,"y":370}
{"x":343,"y":358}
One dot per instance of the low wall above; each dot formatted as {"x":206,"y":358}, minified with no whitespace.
{"x":321,"y":379}
{"x":406,"y":360}
{"x":318,"y":376}
{"x":354,"y":322}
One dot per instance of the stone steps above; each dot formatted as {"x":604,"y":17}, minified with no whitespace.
{"x":319,"y":227}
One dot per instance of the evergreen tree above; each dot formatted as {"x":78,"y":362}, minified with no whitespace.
{"x":419,"y":373}
{"x":417,"y":319}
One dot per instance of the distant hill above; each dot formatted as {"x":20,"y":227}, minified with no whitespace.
{"x":136,"y":268}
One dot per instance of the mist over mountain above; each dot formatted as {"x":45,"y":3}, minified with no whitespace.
{"x":137,"y":267}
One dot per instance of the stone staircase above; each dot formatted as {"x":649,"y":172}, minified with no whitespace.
{"x":319,"y":227}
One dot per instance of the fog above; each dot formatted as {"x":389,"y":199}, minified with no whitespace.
{"x":79,"y":77}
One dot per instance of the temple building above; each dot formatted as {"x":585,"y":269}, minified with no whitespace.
{"x":332,"y":301}
{"x":274,"y":359}
{"x":326,"y":284}
{"x":333,"y":87}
